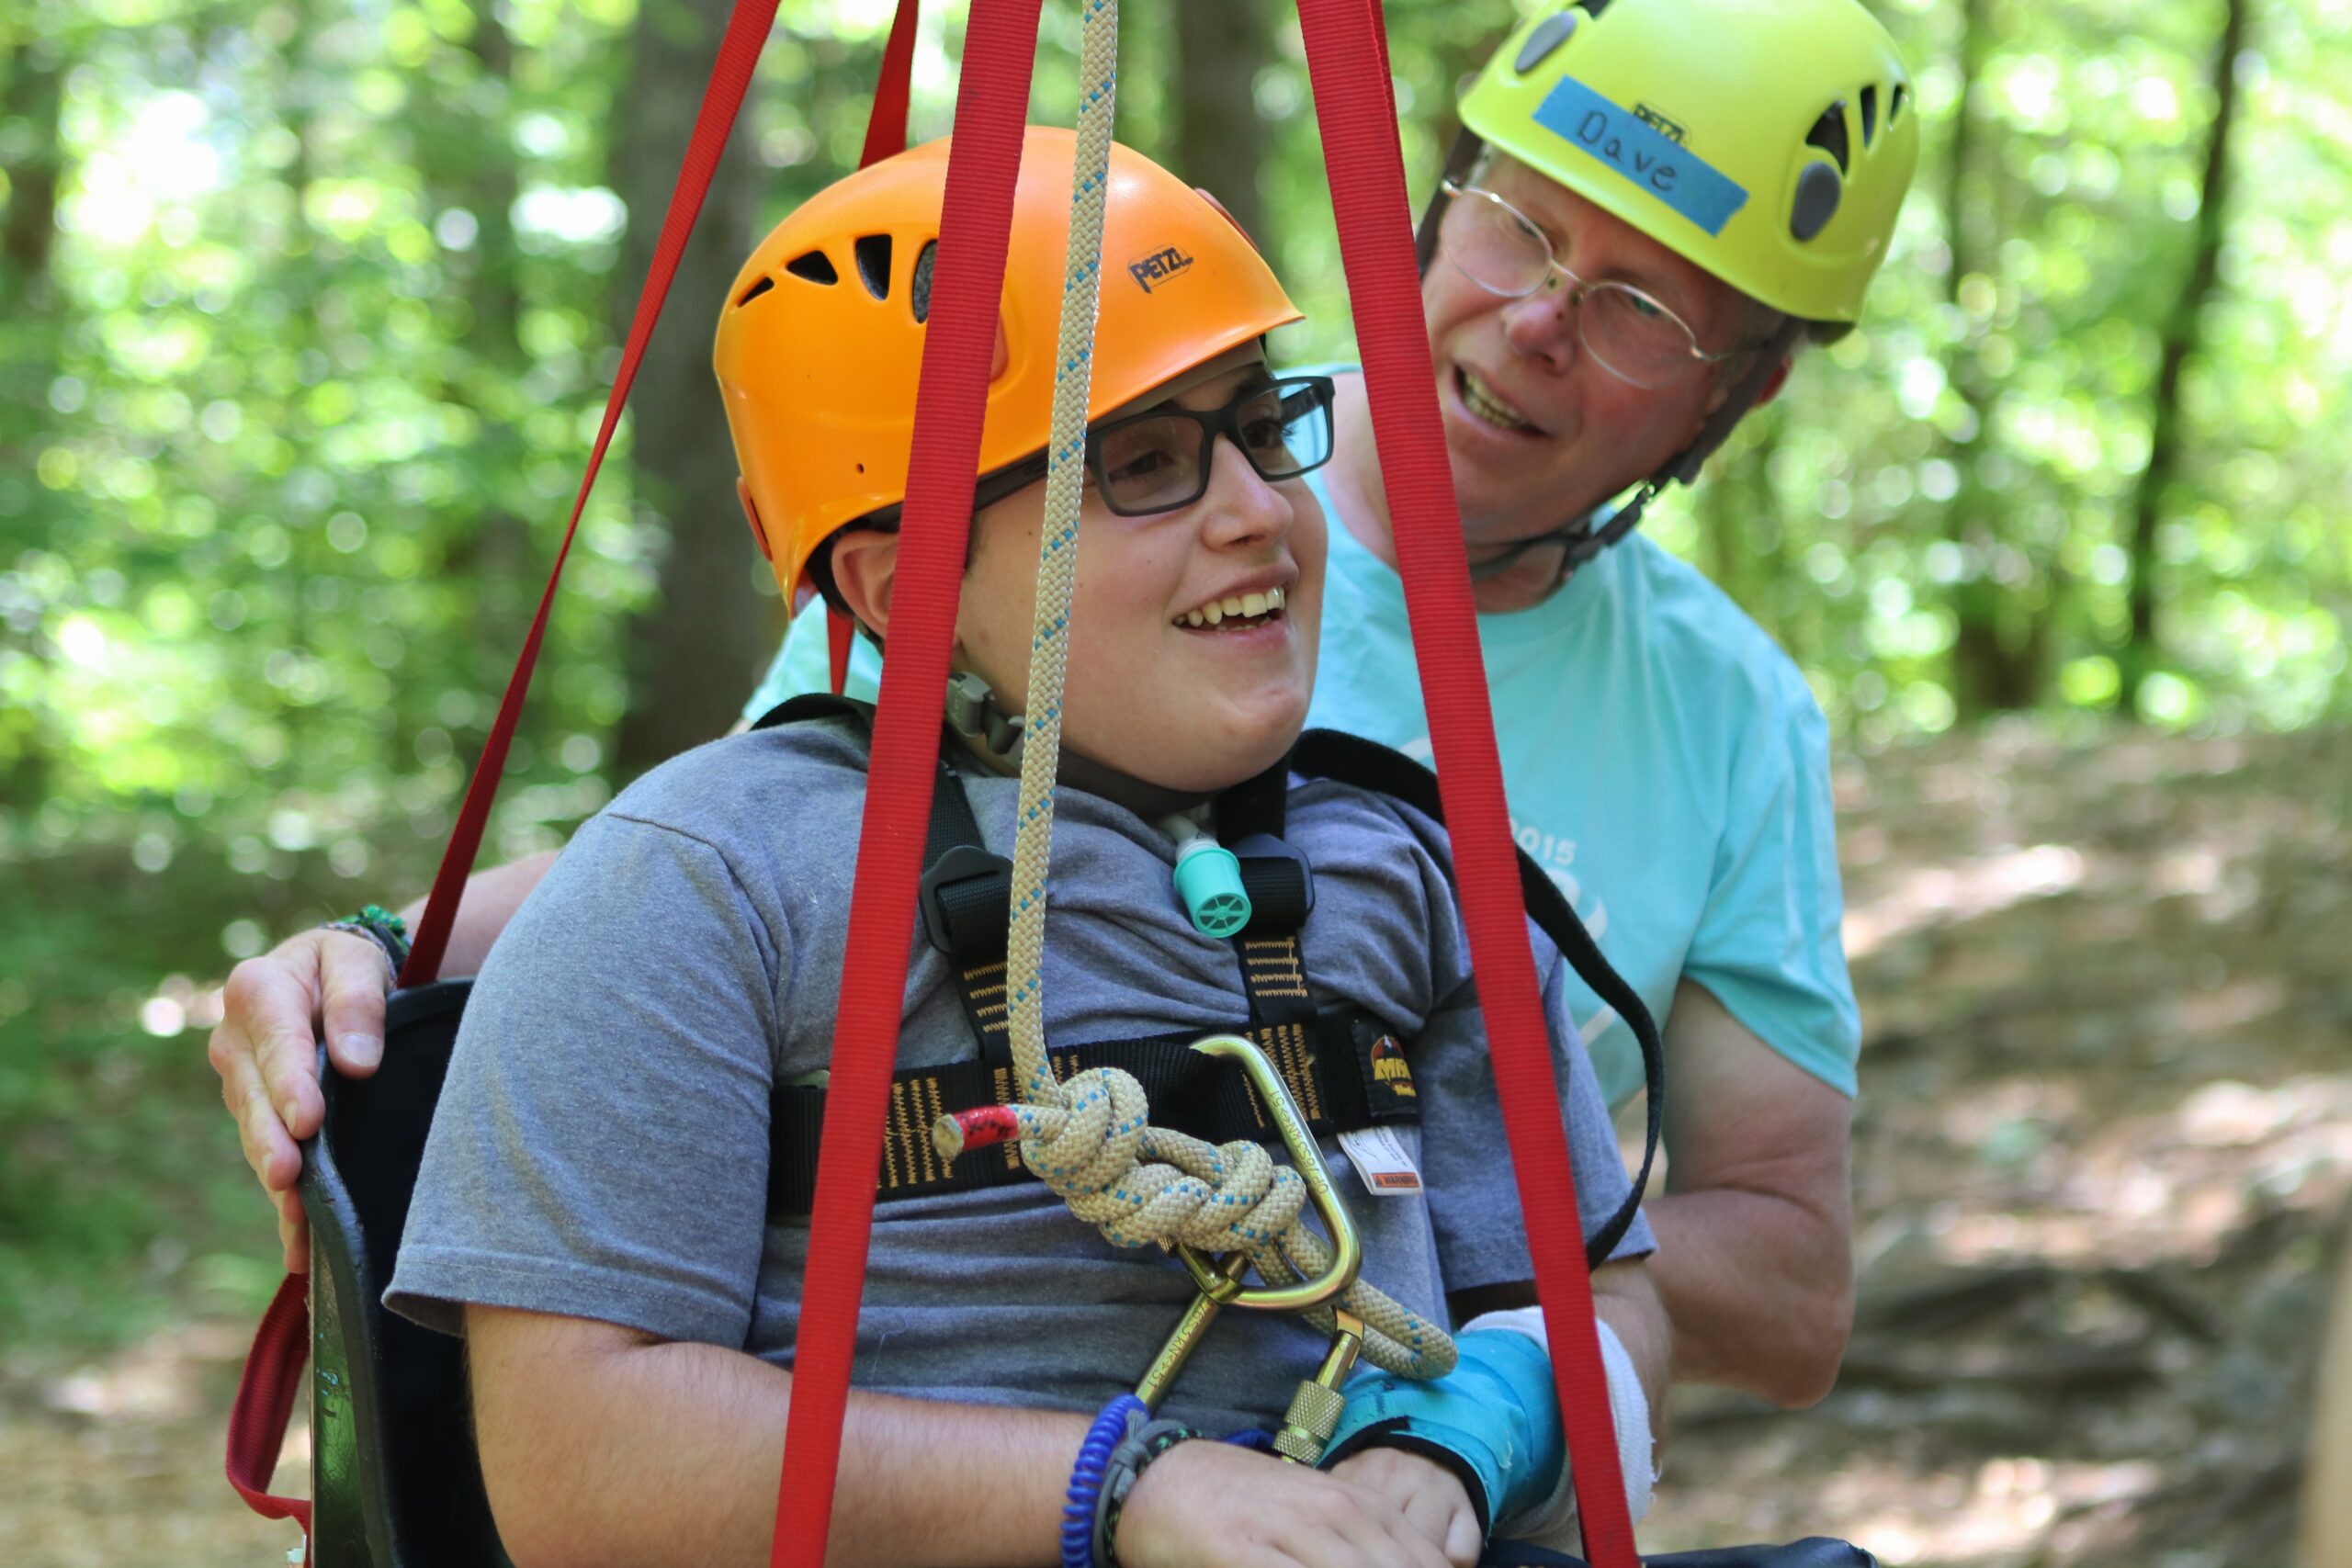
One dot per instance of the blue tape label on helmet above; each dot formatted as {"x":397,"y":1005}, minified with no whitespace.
{"x":1632,"y":146}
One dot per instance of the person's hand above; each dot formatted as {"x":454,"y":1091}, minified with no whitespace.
{"x":1205,"y":1505}
{"x":266,"y":1051}
{"x":1431,"y":1497}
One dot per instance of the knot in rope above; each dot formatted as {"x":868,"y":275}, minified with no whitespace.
{"x":1144,"y":1186}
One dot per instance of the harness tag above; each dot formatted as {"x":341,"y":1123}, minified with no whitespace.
{"x":1383,"y":1162}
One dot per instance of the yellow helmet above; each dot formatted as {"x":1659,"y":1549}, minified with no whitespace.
{"x":1769,"y":142}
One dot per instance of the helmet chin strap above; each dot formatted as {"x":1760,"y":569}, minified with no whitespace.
{"x":1581,"y":537}
{"x":994,"y":734}
{"x":1468,"y":145}
{"x":1579,"y":540}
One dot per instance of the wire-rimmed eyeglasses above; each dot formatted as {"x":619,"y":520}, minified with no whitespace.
{"x":1631,"y":334}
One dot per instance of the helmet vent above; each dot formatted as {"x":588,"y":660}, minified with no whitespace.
{"x":1894,"y":104}
{"x":1549,"y":34}
{"x":920,"y":289}
{"x":1828,"y":133}
{"x":1869,"y":113}
{"x":814,"y":265}
{"x":754,"y":292}
{"x":874,"y":263}
{"x":1818,"y":190}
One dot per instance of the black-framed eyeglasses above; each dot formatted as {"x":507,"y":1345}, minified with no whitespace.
{"x":1631,"y":334}
{"x":1159,"y":460}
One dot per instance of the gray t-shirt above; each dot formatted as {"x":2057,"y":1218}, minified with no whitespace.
{"x":601,"y":1148}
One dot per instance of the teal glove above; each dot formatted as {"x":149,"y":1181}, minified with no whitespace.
{"x":1494,"y":1421}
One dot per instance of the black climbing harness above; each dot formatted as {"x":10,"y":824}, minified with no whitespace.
{"x":1344,"y":1069}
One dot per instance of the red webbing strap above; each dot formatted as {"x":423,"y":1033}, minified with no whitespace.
{"x":738,"y":52}
{"x":885,"y":125}
{"x":265,"y":1392}
{"x":975,"y":224}
{"x":272,"y":1376}
{"x":840,"y":630}
{"x":1352,"y":100}
{"x":885,"y":137}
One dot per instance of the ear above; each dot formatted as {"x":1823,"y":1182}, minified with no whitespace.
{"x":1773,"y":382}
{"x":866,"y":568}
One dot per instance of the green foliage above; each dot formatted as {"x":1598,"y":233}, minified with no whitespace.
{"x":297,"y":377}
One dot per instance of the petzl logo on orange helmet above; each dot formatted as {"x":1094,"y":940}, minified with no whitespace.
{"x":1162,"y":267}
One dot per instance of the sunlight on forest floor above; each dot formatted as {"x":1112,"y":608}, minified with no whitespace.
{"x":2101,"y":1160}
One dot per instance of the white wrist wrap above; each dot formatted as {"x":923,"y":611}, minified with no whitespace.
{"x":1553,"y":1523}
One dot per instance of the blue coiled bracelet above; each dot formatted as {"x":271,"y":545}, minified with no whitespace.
{"x":1090,"y":1517}
{"x":1085,"y":1494}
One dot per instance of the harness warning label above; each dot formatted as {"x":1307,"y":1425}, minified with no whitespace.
{"x":1645,"y":147}
{"x":1381,"y":1158}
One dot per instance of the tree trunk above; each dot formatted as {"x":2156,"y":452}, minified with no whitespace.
{"x":464,"y":154}
{"x":2182,"y":331}
{"x":31,"y":79}
{"x":695,"y":654}
{"x":1997,"y":645}
{"x":1219,"y":142}
{"x":32,"y":98}
{"x":490,"y":187}
{"x":1726,"y":508}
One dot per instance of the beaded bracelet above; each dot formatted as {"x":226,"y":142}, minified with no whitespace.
{"x":1126,"y":1466}
{"x":380,"y":926}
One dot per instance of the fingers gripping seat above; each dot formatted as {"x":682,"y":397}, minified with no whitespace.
{"x":395,"y":1480}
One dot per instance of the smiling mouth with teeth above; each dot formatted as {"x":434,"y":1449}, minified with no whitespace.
{"x":1481,"y":401}
{"x":1238,"y":609}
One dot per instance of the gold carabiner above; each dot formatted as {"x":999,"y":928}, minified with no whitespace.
{"x":1219,"y":1279}
{"x":1190,"y":1329}
{"x":1306,"y":1158}
{"x":1316,"y":1408}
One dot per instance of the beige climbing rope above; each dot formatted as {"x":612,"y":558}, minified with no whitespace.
{"x":1091,"y":1139}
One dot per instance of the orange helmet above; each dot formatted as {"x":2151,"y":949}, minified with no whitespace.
{"x":821,"y":341}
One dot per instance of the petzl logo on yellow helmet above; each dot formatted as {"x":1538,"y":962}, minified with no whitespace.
{"x":1662,"y":125}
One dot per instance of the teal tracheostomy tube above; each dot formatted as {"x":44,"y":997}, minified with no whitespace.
{"x":1208,"y":881}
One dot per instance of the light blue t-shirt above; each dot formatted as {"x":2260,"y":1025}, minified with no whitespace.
{"x":1664,"y":763}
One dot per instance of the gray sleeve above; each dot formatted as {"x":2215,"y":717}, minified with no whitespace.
{"x":1473,"y":1191}
{"x":601,"y":1146}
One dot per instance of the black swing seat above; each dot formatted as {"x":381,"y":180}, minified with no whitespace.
{"x":395,"y":1480}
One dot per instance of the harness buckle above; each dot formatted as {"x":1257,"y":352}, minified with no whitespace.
{"x":1279,"y":880}
{"x":966,"y":895}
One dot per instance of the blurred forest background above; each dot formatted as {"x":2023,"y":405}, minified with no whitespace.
{"x":307,"y":313}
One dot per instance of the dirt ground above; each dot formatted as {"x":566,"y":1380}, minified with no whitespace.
{"x":2102,"y":1161}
